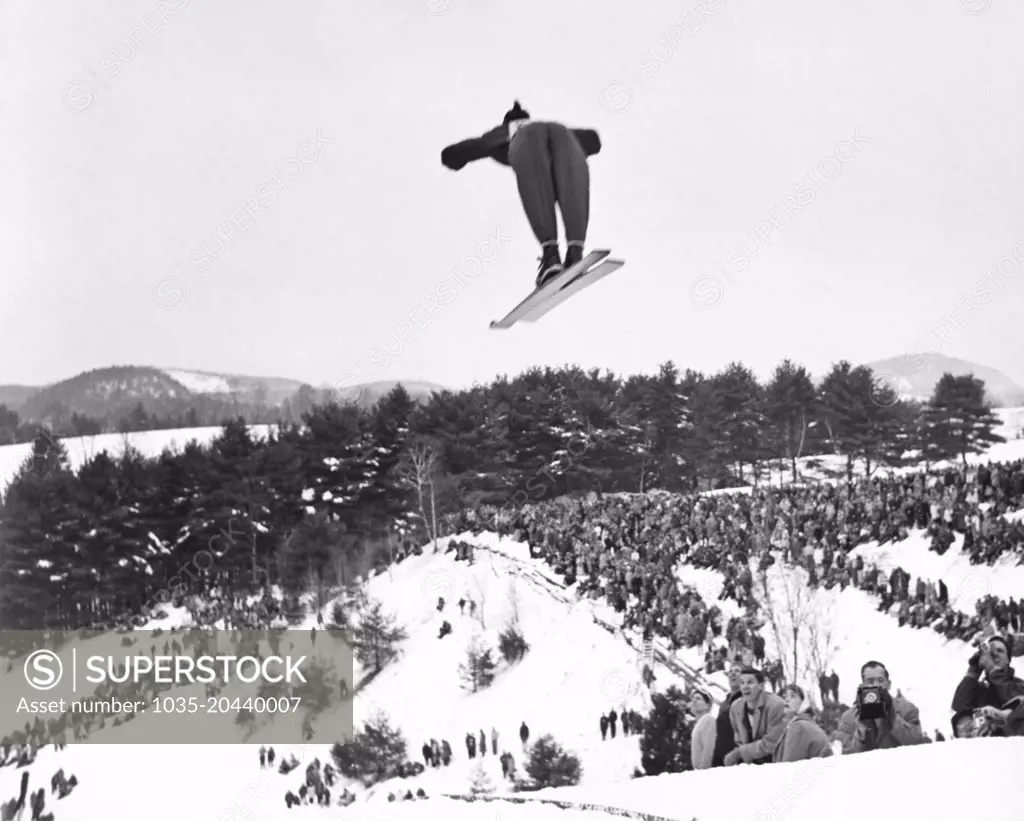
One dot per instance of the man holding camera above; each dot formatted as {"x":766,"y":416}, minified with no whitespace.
{"x":877,"y":721}
{"x":991,"y":691}
{"x":758,"y":721}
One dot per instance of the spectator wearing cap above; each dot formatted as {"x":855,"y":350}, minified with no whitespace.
{"x":802,"y":737}
{"x":991,"y":687}
{"x":702,"y":738}
{"x":758,"y":720}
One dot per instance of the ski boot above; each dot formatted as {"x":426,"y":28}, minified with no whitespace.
{"x":573,"y":254}
{"x":550,"y":263}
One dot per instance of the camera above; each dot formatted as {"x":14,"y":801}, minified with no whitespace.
{"x":869,"y":702}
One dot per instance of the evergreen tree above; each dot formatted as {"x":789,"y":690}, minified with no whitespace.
{"x":860,"y":417}
{"x":477,"y":672}
{"x":549,"y":765}
{"x":480,"y":782}
{"x":305,"y":557}
{"x":340,"y":463}
{"x":39,"y":529}
{"x":373,"y":754}
{"x":512,"y":644}
{"x":790,"y":407}
{"x":633,"y":438}
{"x":958,"y":420}
{"x":386,"y":492}
{"x":668,"y":425}
{"x":238,"y":497}
{"x":665,"y":743}
{"x":886,"y":441}
{"x":740,"y":417}
{"x":699,"y":456}
{"x":376,"y":636}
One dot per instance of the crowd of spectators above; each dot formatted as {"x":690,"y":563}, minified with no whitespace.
{"x":627,"y":549}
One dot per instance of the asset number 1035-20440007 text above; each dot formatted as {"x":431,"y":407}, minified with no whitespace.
{"x":222,"y":704}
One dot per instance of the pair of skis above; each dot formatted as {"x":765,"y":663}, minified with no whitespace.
{"x":592,"y":268}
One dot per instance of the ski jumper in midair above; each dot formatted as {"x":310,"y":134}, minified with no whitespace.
{"x":550,"y":163}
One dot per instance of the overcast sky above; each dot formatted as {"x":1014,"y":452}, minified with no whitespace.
{"x":743,"y":240}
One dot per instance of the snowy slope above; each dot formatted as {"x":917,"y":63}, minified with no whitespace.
{"x":980,"y":779}
{"x":575,"y":670}
{"x":966,"y":582}
{"x":923,"y":664}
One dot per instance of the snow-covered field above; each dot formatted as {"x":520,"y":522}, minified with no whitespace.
{"x":150,"y":443}
{"x":225,"y":784}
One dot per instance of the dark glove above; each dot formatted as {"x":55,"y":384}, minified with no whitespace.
{"x":974,"y":663}
{"x":448,"y":160}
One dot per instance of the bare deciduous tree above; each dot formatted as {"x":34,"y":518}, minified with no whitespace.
{"x":800,"y":621}
{"x":420,"y":470}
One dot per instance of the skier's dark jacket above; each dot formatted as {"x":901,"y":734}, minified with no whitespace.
{"x":494,"y":144}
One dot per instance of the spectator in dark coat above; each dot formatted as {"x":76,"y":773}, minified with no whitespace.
{"x":725,"y":740}
{"x":991,"y":687}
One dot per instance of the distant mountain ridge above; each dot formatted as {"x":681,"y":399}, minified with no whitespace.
{"x":917,"y":377}
{"x":15,"y":396}
{"x":117,"y":391}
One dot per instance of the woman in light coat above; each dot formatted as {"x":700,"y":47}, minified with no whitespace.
{"x":803,"y":738}
{"x":702,"y":739}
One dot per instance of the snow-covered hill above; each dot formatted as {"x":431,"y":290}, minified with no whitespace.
{"x":553,"y":692}
{"x":580,"y":664}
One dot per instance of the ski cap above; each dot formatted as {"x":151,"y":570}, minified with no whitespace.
{"x":515,"y":113}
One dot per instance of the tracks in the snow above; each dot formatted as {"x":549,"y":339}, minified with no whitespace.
{"x":565,"y":805}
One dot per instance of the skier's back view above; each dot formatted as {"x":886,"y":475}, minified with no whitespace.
{"x":550,"y":163}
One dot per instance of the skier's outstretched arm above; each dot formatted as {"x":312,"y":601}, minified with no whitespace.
{"x":478,"y":148}
{"x":589,"y":141}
